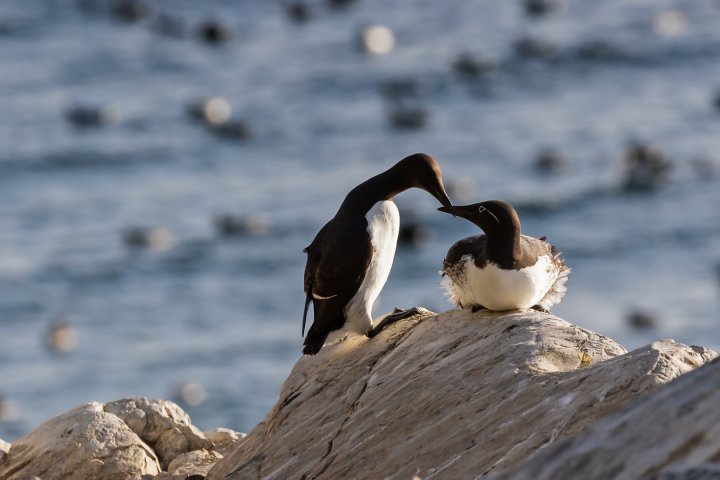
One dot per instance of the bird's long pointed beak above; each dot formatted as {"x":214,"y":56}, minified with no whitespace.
{"x":452,"y":210}
{"x":442,"y":196}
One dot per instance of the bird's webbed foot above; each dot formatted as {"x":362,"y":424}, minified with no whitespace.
{"x":539,"y":308}
{"x":396,"y":315}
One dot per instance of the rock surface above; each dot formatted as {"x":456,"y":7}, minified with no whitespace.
{"x":162,"y":425}
{"x":197,"y":462}
{"x":126,"y":439}
{"x":224,"y":440}
{"x":457,"y":395}
{"x":673,"y":434}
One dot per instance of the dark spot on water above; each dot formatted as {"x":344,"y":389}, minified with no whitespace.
{"x":132,"y":10}
{"x":89,"y":116}
{"x":413,"y":233}
{"x":537,"y":8}
{"x":298,"y":12}
{"x":550,"y":160}
{"x":642,"y":320}
{"x":474,"y":66}
{"x":156,"y":238}
{"x":213,"y":32}
{"x":228,"y":224}
{"x":408,"y":117}
{"x":340,"y":4}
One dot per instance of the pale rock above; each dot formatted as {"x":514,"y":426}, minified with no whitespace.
{"x":224,"y":440}
{"x":456,"y":395}
{"x":83,"y":443}
{"x":118,"y":440}
{"x":197,"y":462}
{"x":673,"y":434}
{"x":161,"y":424}
{"x":4,"y":449}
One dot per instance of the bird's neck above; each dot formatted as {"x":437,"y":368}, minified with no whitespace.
{"x":504,"y":248}
{"x":383,"y":186}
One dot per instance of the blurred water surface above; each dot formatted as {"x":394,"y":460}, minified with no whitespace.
{"x":225,"y":311}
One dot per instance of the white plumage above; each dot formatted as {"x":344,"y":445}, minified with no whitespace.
{"x":383,"y":226}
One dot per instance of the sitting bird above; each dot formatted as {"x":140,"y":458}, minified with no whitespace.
{"x":350,"y":258}
{"x":502,"y":269}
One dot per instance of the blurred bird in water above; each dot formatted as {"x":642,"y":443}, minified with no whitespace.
{"x":645,"y":168}
{"x":61,"y":336}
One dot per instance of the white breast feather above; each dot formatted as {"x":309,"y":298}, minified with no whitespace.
{"x":383,"y":225}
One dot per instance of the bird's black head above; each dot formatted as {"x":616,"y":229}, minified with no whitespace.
{"x":495,"y":217}
{"x":422,"y":171}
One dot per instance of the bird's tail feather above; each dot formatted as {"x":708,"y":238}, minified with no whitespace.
{"x":313,"y":347}
{"x":318,"y":334}
{"x":450,"y":290}
{"x":308,"y":297}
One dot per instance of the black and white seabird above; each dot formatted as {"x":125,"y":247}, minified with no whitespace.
{"x":502,"y":269}
{"x":350,"y":258}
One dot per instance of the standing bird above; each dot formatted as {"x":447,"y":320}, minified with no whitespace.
{"x":350,"y":258}
{"x":503,"y":269}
